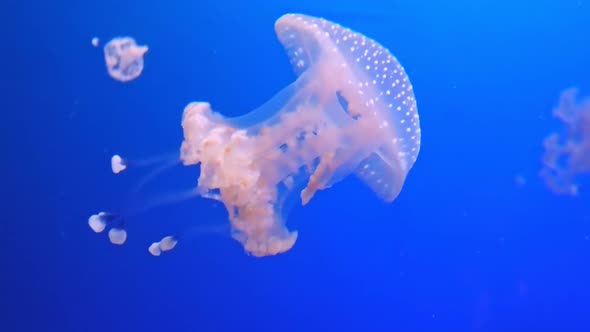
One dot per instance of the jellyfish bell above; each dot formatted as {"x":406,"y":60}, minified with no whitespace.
{"x":117,"y":236}
{"x":118,"y":164}
{"x":124,"y":58}
{"x":97,"y":222}
{"x":351,"y":110}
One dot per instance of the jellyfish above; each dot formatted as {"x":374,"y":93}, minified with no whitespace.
{"x":124,"y":58}
{"x":350,"y":111}
{"x":567,"y":153}
{"x":95,"y":41}
{"x":98,"y":222}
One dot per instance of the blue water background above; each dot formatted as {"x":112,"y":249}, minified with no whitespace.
{"x":475,"y":241}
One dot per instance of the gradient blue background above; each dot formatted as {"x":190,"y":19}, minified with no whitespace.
{"x":463,"y":248}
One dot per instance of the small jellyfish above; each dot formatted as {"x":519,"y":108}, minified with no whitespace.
{"x":166,"y":244}
{"x":98,"y":222}
{"x":118,"y":165}
{"x":351,"y":110}
{"x":124,"y":58}
{"x":567,"y":153}
{"x":95,"y":41}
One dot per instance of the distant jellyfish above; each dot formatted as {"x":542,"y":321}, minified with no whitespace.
{"x":98,"y":222}
{"x":166,"y":244}
{"x":351,"y":110}
{"x":95,"y":41}
{"x":118,"y":164}
{"x":117,"y":236}
{"x":567,"y":152}
{"x":124,"y":58}
{"x":520,"y":180}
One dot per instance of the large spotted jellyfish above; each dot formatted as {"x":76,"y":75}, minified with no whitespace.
{"x":123,"y":58}
{"x":351,"y":110}
{"x":567,"y":153}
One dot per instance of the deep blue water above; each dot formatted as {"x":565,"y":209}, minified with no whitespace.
{"x":465,"y":247}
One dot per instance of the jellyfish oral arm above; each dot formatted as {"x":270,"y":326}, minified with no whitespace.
{"x":247,"y":170}
{"x":227,"y":167}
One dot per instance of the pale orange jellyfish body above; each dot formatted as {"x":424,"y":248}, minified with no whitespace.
{"x":567,"y":153}
{"x":124,"y":58}
{"x":351,"y":111}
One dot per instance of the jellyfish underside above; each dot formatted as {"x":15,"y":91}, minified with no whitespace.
{"x":351,"y":110}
